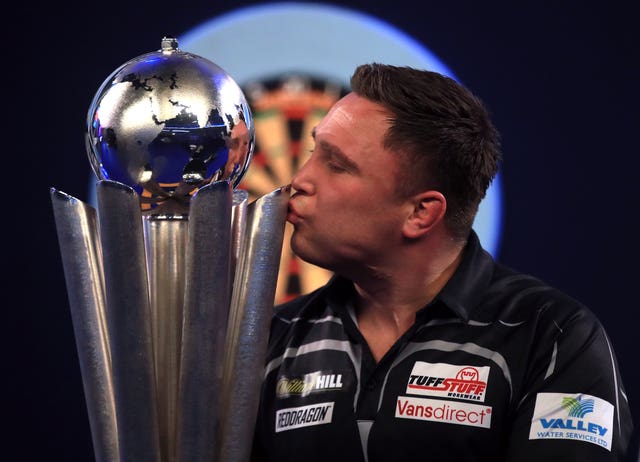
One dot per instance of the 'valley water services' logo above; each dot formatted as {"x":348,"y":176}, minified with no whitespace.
{"x":572,"y":416}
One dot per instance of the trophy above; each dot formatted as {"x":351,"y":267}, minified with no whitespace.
{"x":171,"y":278}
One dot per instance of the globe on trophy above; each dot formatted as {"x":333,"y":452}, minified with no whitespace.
{"x":171,"y":280}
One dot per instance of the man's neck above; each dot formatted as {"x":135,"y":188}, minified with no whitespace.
{"x":387,"y":301}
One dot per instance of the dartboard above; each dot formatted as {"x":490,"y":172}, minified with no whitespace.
{"x":285,"y":110}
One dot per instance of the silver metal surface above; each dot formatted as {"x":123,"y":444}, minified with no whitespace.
{"x":76,"y":224}
{"x":129,"y":321}
{"x":249,"y":318}
{"x":168,"y":122}
{"x":165,"y":239}
{"x":238,"y":225}
{"x":206,"y":309}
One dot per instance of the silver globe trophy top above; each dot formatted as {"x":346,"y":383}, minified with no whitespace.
{"x":167,"y":123}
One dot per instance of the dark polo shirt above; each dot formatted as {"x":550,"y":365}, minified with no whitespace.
{"x":498,"y":367}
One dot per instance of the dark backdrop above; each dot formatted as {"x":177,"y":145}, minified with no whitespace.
{"x":560,"y":78}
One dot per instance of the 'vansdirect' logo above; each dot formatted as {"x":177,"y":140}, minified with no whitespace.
{"x":436,"y":410}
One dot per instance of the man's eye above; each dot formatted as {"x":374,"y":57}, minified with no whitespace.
{"x":336,"y":167}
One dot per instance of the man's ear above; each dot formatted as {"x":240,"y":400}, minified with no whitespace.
{"x":429,"y":208}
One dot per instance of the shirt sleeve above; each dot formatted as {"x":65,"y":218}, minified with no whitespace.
{"x":573,"y":405}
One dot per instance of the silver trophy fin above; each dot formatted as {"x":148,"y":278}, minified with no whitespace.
{"x":248,"y":330}
{"x":77,"y":228}
{"x":129,"y":321}
{"x":206,"y":310}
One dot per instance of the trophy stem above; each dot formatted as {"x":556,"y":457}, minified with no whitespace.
{"x":165,"y":240}
{"x":76,"y":223}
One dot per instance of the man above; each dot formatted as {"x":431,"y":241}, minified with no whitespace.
{"x":421,"y":347}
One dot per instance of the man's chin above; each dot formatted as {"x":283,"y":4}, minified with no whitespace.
{"x":307,"y":255}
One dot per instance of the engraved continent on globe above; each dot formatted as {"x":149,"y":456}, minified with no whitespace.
{"x":168,"y":122}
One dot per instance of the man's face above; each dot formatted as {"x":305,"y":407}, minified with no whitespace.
{"x":238,"y":148}
{"x":344,"y":210}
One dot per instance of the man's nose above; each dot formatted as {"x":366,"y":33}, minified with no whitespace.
{"x":301,"y":179}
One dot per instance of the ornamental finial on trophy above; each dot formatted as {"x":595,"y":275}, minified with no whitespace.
{"x":171,"y":281}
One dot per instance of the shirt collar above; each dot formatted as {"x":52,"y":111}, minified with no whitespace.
{"x":464,"y":290}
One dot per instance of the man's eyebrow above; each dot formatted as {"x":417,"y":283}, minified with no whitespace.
{"x":335,"y":153}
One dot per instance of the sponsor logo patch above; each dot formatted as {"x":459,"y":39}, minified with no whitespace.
{"x":570,"y":416}
{"x":313,"y":382}
{"x":303,"y":416}
{"x":448,"y":381}
{"x":436,"y":410}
